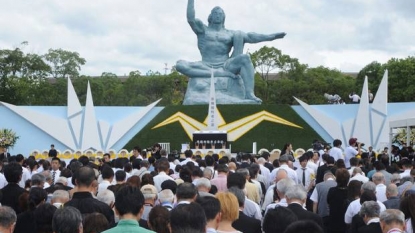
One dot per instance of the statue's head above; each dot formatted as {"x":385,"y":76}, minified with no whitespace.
{"x":217,"y":16}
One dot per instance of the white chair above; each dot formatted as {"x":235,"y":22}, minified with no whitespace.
{"x":262,"y":150}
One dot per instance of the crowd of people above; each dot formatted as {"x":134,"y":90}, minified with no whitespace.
{"x":326,"y":190}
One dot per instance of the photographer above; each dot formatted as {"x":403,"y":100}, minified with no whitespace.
{"x":155,"y":152}
{"x":351,"y":151}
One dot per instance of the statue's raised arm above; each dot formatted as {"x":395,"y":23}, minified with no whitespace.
{"x":234,"y":72}
{"x":252,"y":37}
{"x":196,"y":24}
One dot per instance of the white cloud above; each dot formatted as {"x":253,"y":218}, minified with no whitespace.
{"x":122,"y":36}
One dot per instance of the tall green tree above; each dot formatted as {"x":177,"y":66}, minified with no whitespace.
{"x":64,"y":63}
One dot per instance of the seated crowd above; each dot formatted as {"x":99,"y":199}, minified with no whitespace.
{"x":320,"y":191}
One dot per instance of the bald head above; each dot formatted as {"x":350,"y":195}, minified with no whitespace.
{"x":232,"y":166}
{"x":391,"y":191}
{"x":378,"y":178}
{"x":281,"y":174}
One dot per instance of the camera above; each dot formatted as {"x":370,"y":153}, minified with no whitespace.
{"x":361,"y":144}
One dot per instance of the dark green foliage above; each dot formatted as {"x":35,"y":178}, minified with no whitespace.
{"x":267,"y":134}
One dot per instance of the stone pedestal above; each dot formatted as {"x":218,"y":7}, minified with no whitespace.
{"x":228,"y":91}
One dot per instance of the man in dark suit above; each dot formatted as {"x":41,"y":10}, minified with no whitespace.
{"x":296,"y":197}
{"x":244,"y":223}
{"x":12,"y":191}
{"x":328,"y":166}
{"x":4,"y":155}
{"x":370,"y":211}
{"x":83,"y":200}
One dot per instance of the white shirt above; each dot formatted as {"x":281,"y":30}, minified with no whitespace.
{"x":103,"y":185}
{"x":57,"y":175}
{"x":336,"y":153}
{"x":405,"y":173}
{"x":349,"y":153}
{"x":269,"y":197}
{"x":291,"y":173}
{"x":381,"y":192}
{"x":312,"y":165}
{"x":3,"y":181}
{"x":25,"y":176}
{"x":355,"y":98}
{"x":309,"y":175}
{"x":159,"y":179}
{"x":360,"y":178}
{"x":283,"y":203}
{"x":252,"y":209}
{"x":265,"y":172}
{"x":184,"y":162}
{"x":354,"y":208}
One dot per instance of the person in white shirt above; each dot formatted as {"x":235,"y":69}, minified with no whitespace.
{"x":26,"y":173}
{"x":189,"y":155}
{"x":354,"y":206}
{"x":55,"y":172}
{"x":265,"y":172}
{"x":284,"y":165}
{"x":306,"y":176}
{"x":407,"y":166}
{"x":358,"y":175}
{"x":163,"y":169}
{"x":379,"y":180}
{"x":350,"y":151}
{"x":336,"y":152}
{"x":354,"y":97}
{"x":280,"y":188}
{"x":107,"y":177}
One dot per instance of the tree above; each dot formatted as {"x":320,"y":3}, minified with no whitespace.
{"x":64,"y":63}
{"x":269,"y":60}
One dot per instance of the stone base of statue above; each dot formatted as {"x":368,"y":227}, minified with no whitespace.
{"x":228,"y":91}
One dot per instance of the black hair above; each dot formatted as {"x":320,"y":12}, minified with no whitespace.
{"x":120,"y":175}
{"x":36,"y":196}
{"x":159,"y":219}
{"x":129,"y":200}
{"x":337,"y":142}
{"x":188,"y":218}
{"x":107,"y":172}
{"x":186,"y":191}
{"x":285,"y":217}
{"x":236,"y":179}
{"x":188,"y":153}
{"x":304,"y":226}
{"x":57,"y":159}
{"x":84,"y":176}
{"x":84,"y":160}
{"x":13,"y":172}
{"x":210,"y":205}
{"x":43,"y":217}
{"x":95,"y":222}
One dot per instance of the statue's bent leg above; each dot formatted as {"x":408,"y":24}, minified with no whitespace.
{"x":242,"y":65}
{"x":201,"y":70}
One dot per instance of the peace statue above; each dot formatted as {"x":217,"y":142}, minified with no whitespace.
{"x":235,"y":73}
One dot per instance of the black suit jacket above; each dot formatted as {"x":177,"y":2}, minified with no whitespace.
{"x":25,"y":222}
{"x":303,"y":214}
{"x":4,"y":156}
{"x":86,"y":204}
{"x":11,"y":193}
{"x":247,"y":224}
{"x":374,"y":227}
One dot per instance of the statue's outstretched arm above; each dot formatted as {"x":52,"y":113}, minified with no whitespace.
{"x":196,"y":25}
{"x":253,"y":37}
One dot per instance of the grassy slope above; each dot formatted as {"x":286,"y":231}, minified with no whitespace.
{"x":267,"y":134}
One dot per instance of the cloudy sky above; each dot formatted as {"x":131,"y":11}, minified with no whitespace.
{"x":127,"y":35}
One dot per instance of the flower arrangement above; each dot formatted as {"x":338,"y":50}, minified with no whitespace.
{"x":7,"y":138}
